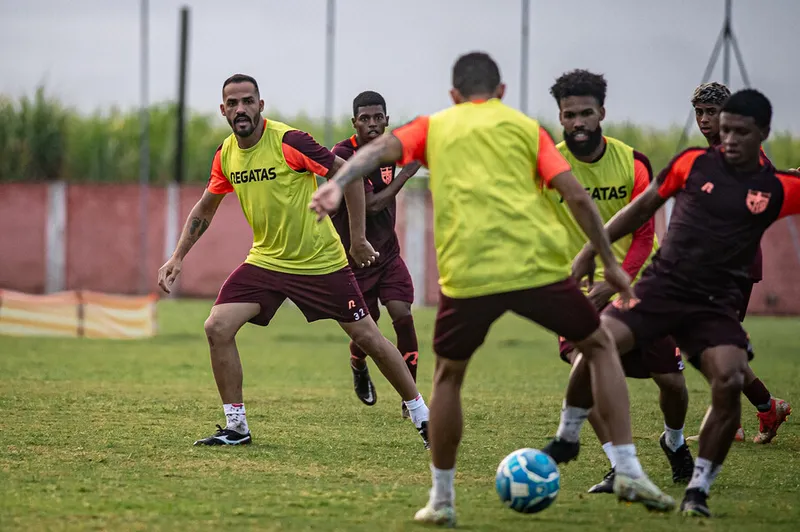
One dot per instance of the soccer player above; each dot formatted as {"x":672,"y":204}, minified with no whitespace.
{"x":615,"y":174}
{"x":707,"y":101}
{"x":388,"y":279}
{"x":499,"y":247}
{"x":725,"y":198}
{"x":271,"y":168}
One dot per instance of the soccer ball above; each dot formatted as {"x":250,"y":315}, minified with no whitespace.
{"x":527,"y":481}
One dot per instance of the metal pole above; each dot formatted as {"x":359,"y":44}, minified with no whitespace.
{"x":726,"y":54}
{"x":525,"y":46}
{"x":330,"y":43}
{"x":144,"y":155}
{"x":179,"y":144}
{"x":740,"y":60}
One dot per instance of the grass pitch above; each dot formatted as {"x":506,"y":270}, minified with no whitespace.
{"x":97,"y":435}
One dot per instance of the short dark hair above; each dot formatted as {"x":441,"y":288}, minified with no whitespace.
{"x":366,"y":99}
{"x":752,"y":103}
{"x":579,"y":83}
{"x":475,"y":73}
{"x":711,"y":93}
{"x":241,"y":78}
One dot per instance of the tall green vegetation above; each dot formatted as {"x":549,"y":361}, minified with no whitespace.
{"x":41,"y":139}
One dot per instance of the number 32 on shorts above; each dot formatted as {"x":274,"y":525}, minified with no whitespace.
{"x":358,"y":313}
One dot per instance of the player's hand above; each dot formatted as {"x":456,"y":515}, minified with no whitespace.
{"x":620,"y":281}
{"x":168,"y":273}
{"x":583,"y":266}
{"x":363,"y":253}
{"x":794,"y":171}
{"x":600,"y":295}
{"x":326,"y":199}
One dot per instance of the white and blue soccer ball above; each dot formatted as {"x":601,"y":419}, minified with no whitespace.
{"x":527,"y":480}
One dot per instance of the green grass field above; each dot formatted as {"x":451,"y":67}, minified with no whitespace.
{"x":97,"y":435}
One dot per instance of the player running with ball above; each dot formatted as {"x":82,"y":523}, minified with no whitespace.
{"x":499,"y":248}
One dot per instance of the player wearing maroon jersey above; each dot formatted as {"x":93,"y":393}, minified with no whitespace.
{"x":388,"y":279}
{"x":707,"y":101}
{"x":725,"y":199}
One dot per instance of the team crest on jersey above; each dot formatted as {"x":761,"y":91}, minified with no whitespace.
{"x":757,"y":201}
{"x":387,"y":174}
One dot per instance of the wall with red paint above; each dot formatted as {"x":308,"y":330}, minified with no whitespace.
{"x":104,"y":245}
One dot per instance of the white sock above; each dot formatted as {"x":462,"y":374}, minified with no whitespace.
{"x":234,"y":413}
{"x":443,"y":492}
{"x":715,"y":469}
{"x":572,"y":418}
{"x":702,"y":475}
{"x":627,"y":462}
{"x":673,"y":438}
{"x":607,"y":449}
{"x":418,"y":410}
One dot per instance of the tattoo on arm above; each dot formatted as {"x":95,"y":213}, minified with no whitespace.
{"x":197,"y":227}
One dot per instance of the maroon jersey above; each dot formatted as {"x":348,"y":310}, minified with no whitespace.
{"x":717,"y":222}
{"x":379,"y":226}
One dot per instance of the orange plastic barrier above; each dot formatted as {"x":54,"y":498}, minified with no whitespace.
{"x":77,"y":314}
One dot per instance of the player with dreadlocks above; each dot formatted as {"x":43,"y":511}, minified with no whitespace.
{"x":707,"y":101}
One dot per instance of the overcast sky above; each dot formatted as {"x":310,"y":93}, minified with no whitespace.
{"x":653,"y":52}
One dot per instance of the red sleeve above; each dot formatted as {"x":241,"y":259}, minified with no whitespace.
{"x":674,"y":176}
{"x":217,"y":182}
{"x":549,"y":161}
{"x":791,"y":194}
{"x":303,"y":153}
{"x":414,"y":137}
{"x":642,"y":243}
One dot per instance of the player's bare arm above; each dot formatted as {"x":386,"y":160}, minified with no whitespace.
{"x":376,"y":202}
{"x":196,"y":224}
{"x":362,"y":251}
{"x":588,"y":217}
{"x":626,"y":221}
{"x":386,"y":149}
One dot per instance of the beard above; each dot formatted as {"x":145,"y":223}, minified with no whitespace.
{"x":584,"y":147}
{"x":245,"y":131}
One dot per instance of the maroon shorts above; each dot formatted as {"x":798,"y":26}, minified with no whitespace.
{"x":695,"y":324}
{"x":385,"y":282}
{"x":662,"y":356}
{"x":333,"y":296}
{"x":747,"y":291}
{"x":462,"y":324}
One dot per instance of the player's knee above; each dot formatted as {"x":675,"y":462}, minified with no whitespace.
{"x":448,"y":370}
{"x":671,"y":384}
{"x":219,"y":330}
{"x":728,"y":383}
{"x":599,"y":343}
{"x":369,"y":339}
{"x":398,"y":310}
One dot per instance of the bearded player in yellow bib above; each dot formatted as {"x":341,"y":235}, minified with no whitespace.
{"x":271,"y":168}
{"x":499,"y":248}
{"x":614,"y":174}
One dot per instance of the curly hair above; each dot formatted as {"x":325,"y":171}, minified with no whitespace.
{"x":579,"y":83}
{"x":712,"y":93}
